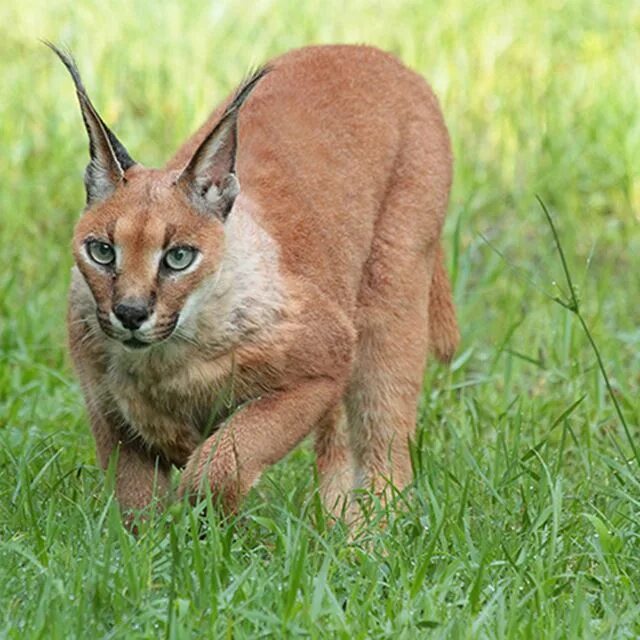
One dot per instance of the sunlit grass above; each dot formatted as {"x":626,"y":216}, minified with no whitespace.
{"x":524,"y":521}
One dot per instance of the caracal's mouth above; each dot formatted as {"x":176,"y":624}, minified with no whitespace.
{"x":134,"y":343}
{"x":137,"y":340}
{"x":140,"y":342}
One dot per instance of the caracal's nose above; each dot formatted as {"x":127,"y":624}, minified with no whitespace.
{"x":132,"y":312}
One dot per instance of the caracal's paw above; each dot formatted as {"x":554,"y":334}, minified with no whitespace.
{"x":213,"y":467}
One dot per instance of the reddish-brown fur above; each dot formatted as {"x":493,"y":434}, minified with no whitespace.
{"x":314,"y":304}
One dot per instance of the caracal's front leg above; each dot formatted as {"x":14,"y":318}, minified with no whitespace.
{"x":335,"y":463}
{"x":140,"y":476}
{"x":231,"y":461}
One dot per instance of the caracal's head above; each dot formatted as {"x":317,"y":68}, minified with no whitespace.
{"x":148,"y":238}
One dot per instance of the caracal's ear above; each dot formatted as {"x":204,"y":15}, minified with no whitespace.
{"x":109,"y":158}
{"x":209,"y":177}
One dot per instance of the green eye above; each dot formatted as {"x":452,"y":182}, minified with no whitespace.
{"x":179,"y":258}
{"x":101,"y":252}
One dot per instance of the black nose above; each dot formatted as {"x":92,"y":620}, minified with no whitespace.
{"x":132,"y":313}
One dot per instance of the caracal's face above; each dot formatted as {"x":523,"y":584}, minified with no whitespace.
{"x":142,"y":252}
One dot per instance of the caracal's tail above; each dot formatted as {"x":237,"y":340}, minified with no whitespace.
{"x":443,"y":326}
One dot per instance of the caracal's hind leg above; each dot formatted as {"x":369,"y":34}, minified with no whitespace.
{"x":387,"y":380}
{"x":393,"y":313}
{"x":335,"y":462}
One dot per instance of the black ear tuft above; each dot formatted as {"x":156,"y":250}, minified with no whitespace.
{"x":209,"y":176}
{"x":109,"y":158}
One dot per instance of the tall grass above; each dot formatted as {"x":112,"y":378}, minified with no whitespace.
{"x":525,"y":516}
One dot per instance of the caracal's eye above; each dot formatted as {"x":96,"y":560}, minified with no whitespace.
{"x":101,"y":252}
{"x":179,"y":258}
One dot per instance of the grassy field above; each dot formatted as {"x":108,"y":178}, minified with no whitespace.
{"x":525,"y":517}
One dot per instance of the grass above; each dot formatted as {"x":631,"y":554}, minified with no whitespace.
{"x":524,"y":521}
